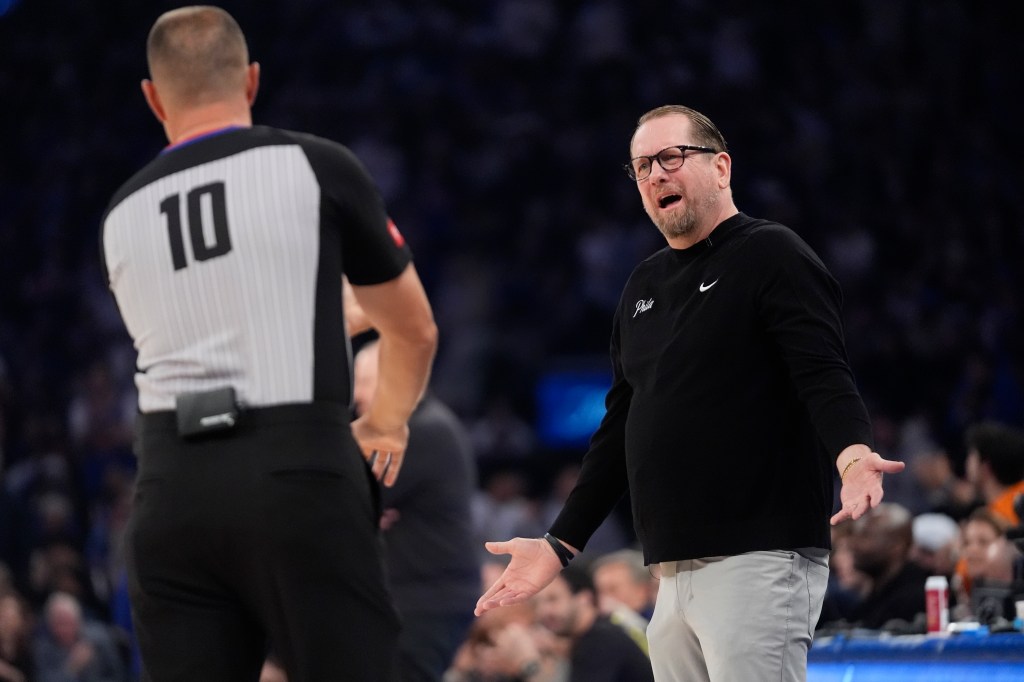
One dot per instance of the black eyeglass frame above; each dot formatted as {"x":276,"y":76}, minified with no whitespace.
{"x":631,"y":172}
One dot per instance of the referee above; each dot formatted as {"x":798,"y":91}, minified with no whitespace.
{"x":254,"y":518}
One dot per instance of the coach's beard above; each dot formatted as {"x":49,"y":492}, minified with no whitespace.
{"x":684,"y":223}
{"x":678,"y":224}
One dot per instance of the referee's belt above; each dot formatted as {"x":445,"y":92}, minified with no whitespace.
{"x":217,"y":412}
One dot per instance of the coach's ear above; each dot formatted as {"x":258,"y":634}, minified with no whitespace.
{"x":153,"y":100}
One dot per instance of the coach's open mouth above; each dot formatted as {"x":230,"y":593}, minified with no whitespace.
{"x":669,"y":200}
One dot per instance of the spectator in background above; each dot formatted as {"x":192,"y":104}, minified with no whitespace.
{"x":561,"y":635}
{"x":43,"y":487}
{"x":881,"y":544}
{"x":943,"y":492}
{"x":431,"y":558}
{"x":16,"y":622}
{"x":505,"y":643}
{"x":936,"y":540}
{"x":984,"y":559}
{"x":61,"y":567}
{"x":994,"y":470}
{"x":622,"y":579}
{"x":100,"y":418}
{"x":626,"y":592}
{"x":70,"y":648}
{"x":846,"y":585}
{"x":994,"y":594}
{"x":54,"y":519}
{"x":600,"y":651}
{"x":995,"y":465}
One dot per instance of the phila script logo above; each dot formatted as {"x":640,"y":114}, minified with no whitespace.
{"x":643,"y":306}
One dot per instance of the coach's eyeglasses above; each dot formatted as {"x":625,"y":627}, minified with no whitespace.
{"x":669,"y":158}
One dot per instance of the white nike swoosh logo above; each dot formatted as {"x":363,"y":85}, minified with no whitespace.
{"x":705,"y":288}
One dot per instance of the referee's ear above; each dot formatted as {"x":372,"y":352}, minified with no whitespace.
{"x":252,"y":82}
{"x":153,"y":100}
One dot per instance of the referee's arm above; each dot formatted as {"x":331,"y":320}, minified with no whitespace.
{"x":400,"y":312}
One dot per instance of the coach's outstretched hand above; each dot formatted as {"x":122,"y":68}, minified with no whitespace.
{"x":533,"y":566}
{"x":862,"y":485}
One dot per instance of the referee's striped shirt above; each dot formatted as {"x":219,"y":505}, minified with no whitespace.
{"x":225,"y":256}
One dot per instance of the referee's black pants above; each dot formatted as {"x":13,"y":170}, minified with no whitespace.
{"x":265,"y":535}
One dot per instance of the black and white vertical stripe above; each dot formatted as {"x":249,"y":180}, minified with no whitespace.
{"x":245,"y":318}
{"x":225,"y":255}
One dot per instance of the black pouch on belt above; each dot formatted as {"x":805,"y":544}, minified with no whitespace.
{"x":207,"y":412}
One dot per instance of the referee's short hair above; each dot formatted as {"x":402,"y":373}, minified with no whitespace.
{"x":197,"y":53}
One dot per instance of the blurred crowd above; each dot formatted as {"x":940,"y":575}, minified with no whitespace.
{"x":883,"y":132}
{"x":971,"y":535}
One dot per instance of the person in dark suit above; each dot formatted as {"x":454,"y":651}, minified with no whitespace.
{"x":430,"y":557}
{"x":881,"y":543}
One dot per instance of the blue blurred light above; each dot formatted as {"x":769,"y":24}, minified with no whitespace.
{"x":7,"y":5}
{"x":570,"y":406}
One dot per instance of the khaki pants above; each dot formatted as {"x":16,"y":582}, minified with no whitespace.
{"x":742,"y":618}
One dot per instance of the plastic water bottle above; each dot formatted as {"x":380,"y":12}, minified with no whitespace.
{"x":936,"y":598}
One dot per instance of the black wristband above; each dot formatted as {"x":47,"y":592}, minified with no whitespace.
{"x":561,"y":551}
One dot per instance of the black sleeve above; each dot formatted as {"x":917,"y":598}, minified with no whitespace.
{"x":602,"y":481}
{"x":800,"y":304}
{"x":373,"y":250}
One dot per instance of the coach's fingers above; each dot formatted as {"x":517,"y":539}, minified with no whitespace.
{"x":491,"y":598}
{"x":499,"y":547}
{"x":839,"y":517}
{"x":499,"y":594}
{"x":503,"y":597}
{"x":487,"y":600}
{"x":851,"y":510}
{"x":890,"y":466}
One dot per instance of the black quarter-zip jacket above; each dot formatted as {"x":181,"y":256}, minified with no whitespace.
{"x":731,"y":399}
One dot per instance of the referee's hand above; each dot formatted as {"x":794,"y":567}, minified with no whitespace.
{"x":383,"y":449}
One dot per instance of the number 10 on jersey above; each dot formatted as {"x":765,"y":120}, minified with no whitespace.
{"x":213,"y":196}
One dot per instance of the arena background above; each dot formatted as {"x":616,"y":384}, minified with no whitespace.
{"x":887,"y":133}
